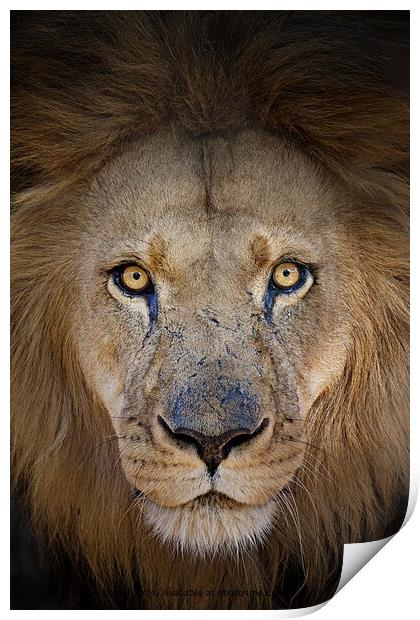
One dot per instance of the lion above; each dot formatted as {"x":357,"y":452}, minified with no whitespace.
{"x":210,"y":301}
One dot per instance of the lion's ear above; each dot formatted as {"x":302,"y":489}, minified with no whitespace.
{"x":83,"y":83}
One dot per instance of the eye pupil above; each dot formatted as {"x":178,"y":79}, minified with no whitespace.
{"x":286,"y":273}
{"x":136,"y":275}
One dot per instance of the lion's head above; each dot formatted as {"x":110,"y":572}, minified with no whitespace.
{"x":210,"y":335}
{"x":213,"y":308}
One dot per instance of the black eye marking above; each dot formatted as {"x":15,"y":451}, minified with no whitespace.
{"x":148,"y":292}
{"x":296,"y":273}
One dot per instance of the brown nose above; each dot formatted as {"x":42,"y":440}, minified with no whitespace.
{"x":213,"y":448}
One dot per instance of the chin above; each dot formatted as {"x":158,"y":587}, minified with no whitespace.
{"x":209,"y":523}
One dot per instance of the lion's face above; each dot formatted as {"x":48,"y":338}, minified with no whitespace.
{"x":213,"y":312}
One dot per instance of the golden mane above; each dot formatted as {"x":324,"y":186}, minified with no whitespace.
{"x":86,"y":85}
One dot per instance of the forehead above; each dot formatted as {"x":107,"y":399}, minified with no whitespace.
{"x":223,"y":190}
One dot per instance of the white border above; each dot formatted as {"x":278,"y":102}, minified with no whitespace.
{"x":388,"y":585}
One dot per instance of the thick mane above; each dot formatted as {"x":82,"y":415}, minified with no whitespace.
{"x":84,"y":85}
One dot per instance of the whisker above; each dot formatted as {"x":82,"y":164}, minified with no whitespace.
{"x":311,"y":445}
{"x":108,"y":440}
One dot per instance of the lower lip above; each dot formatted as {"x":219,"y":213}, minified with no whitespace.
{"x":202,"y":499}
{"x":214,"y":496}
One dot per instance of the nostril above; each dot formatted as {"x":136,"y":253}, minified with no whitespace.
{"x":244,"y":437}
{"x":186,"y":435}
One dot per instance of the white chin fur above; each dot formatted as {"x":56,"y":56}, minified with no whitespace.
{"x":203,"y":526}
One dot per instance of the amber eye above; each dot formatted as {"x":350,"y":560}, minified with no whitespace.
{"x":287,"y":275}
{"x":133,"y":278}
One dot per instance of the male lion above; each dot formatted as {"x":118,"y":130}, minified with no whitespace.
{"x":210,"y":301}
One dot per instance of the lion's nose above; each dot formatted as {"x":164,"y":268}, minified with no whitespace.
{"x":213,"y":448}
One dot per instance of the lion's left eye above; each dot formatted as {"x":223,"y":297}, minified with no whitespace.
{"x":288,"y":276}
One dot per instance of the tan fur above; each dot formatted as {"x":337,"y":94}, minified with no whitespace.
{"x":172,"y":175}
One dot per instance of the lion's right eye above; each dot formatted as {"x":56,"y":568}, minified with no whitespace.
{"x":132,"y":279}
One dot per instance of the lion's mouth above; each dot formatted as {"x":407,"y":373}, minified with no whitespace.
{"x":228,"y":512}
